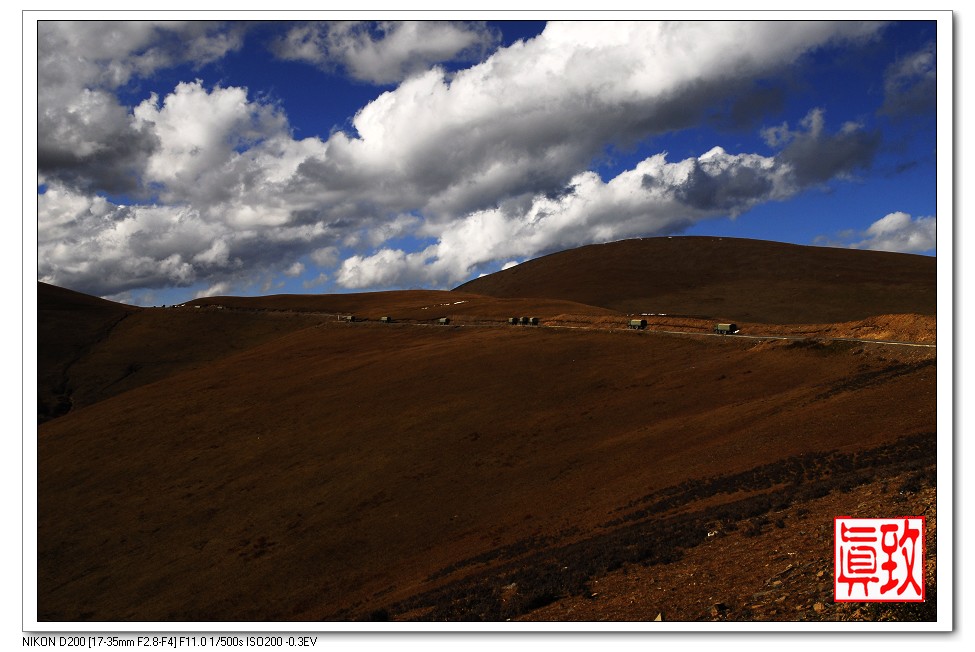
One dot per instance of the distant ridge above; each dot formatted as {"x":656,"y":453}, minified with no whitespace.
{"x":732,"y":278}
{"x":52,"y":297}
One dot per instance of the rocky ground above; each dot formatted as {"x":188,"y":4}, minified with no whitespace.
{"x":781,"y":572}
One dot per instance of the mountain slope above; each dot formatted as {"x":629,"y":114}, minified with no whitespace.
{"x":345,"y":468}
{"x":726,"y":278}
{"x":262,"y":459}
{"x":69,"y":325}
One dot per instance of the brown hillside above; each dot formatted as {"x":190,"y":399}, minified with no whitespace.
{"x":69,"y":325}
{"x":261,"y":459}
{"x":349,"y":471}
{"x":90,"y":349}
{"x":726,"y":278}
{"x":79,"y":365}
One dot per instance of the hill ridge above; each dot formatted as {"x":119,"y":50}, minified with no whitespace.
{"x":744,"y":279}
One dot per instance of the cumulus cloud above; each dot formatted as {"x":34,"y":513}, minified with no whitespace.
{"x":897,"y":232}
{"x":108,"y":54}
{"x":91,"y":142}
{"x":900,"y":232}
{"x":655,"y":198}
{"x":216,"y":147}
{"x":488,"y":163}
{"x":717,"y":182}
{"x":218,"y":169}
{"x":105,"y":248}
{"x":535,"y":114}
{"x":85,"y":135}
{"x":384,"y":52}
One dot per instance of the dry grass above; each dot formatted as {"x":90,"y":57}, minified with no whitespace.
{"x":266,"y":461}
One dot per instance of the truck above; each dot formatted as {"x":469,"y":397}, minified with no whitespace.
{"x":726,"y":329}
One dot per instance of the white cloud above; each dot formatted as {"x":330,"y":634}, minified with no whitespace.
{"x":62,"y":213}
{"x":490,"y":162}
{"x":535,"y":114}
{"x":201,"y":135}
{"x":215,"y":290}
{"x":295,"y":270}
{"x":386,"y":267}
{"x":107,"y":54}
{"x":656,"y":197}
{"x":84,"y":133}
{"x":111,"y":248}
{"x":384,"y":52}
{"x":901,"y":233}
{"x":105,"y":249}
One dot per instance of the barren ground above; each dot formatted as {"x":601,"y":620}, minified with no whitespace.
{"x":258,"y":459}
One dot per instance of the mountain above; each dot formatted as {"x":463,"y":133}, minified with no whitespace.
{"x":730,"y":279}
{"x":264,"y":459}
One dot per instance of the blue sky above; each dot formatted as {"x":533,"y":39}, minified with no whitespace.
{"x":188,"y":159}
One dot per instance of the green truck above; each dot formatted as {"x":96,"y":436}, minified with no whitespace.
{"x":726,"y":329}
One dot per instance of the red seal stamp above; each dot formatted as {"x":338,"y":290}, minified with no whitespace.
{"x":878,"y":559}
